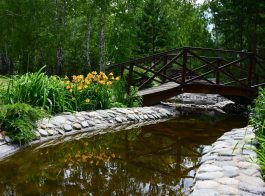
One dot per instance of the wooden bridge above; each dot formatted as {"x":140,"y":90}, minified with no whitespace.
{"x":235,"y":75}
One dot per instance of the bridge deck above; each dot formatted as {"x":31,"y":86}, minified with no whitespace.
{"x":156,"y":94}
{"x":158,"y":89}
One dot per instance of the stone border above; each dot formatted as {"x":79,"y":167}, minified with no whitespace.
{"x":228,"y":166}
{"x":84,"y":123}
{"x":68,"y":124}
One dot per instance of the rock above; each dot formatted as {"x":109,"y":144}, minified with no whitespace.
{"x":251,"y":171}
{"x":58,"y":120}
{"x":206,"y":149}
{"x":50,"y":132}
{"x":118,"y":119}
{"x":43,"y":126}
{"x":246,"y":165}
{"x":209,"y":168}
{"x":209,"y":175}
{"x":67,"y":128}
{"x":205,"y":192}
{"x":43,"y":133}
{"x":255,"y":181}
{"x":258,"y":190}
{"x":227,"y":153}
{"x":97,"y":121}
{"x":228,"y":190}
{"x":91,"y":123}
{"x":207,"y":184}
{"x":77,"y":126}
{"x":49,"y":125}
{"x":228,"y":181}
{"x":84,"y":124}
{"x":131,"y":117}
{"x":230,"y":171}
{"x":8,"y":139}
{"x":60,"y":131}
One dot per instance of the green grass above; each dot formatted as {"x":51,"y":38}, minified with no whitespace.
{"x":3,"y":81}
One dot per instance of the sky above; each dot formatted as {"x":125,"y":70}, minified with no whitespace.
{"x":200,"y":1}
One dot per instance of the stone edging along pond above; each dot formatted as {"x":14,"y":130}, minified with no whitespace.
{"x":95,"y":122}
{"x":228,"y":166}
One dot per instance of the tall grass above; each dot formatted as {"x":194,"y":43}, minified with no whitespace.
{"x":38,"y":90}
{"x":257,"y":120}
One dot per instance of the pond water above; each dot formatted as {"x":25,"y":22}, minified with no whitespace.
{"x":158,"y":159}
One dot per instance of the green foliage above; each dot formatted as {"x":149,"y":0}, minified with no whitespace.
{"x":18,"y":121}
{"x":152,"y":28}
{"x":122,"y":98}
{"x":38,"y":90}
{"x":119,"y":91}
{"x":133,"y":99}
{"x":239,"y":25}
{"x":257,"y":120}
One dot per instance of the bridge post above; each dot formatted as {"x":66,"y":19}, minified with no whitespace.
{"x":217,"y":79}
{"x":130,"y":75}
{"x":121,"y":70}
{"x":184,"y":65}
{"x":251,"y":69}
{"x":165,"y":70}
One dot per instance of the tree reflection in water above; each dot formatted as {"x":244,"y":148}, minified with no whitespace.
{"x":156,"y":159}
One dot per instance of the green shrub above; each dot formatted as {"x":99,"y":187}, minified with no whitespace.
{"x":38,"y":90}
{"x":18,"y":121}
{"x":257,"y":120}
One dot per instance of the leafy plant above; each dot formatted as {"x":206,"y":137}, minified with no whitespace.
{"x":133,"y":99}
{"x":257,"y":120}
{"x":18,"y":121}
{"x":38,"y":90}
{"x":90,"y":92}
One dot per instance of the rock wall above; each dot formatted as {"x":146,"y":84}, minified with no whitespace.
{"x":228,"y":167}
{"x":67,"y":124}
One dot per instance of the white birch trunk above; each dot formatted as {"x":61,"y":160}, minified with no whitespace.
{"x":102,"y":41}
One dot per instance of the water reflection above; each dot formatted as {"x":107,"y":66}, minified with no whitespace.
{"x":155,"y":160}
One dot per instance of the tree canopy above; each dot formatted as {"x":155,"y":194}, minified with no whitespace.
{"x":77,"y":36}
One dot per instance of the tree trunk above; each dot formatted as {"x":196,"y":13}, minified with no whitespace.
{"x":60,"y":49}
{"x":88,"y":33}
{"x":102,"y":41}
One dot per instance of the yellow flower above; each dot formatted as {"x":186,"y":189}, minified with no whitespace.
{"x":87,"y":100}
{"x":94,"y":72}
{"x":109,"y":83}
{"x":68,"y":87}
{"x":80,"y":87}
{"x":66,"y":77}
{"x":117,"y":78}
{"x":71,"y":90}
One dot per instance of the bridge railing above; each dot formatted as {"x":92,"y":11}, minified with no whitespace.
{"x":196,"y":65}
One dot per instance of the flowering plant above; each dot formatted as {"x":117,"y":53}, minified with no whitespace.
{"x":90,"y":92}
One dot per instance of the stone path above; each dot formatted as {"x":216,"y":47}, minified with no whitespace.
{"x":228,"y":167}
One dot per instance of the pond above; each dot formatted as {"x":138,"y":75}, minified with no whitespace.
{"x":158,"y":159}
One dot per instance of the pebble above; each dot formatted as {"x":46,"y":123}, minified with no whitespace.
{"x":77,"y":126}
{"x":84,"y":124}
{"x":43,"y":133}
{"x":8,"y":139}
{"x":50,"y":132}
{"x":67,"y":128}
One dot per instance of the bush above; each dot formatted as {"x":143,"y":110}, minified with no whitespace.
{"x":18,"y":121}
{"x":38,"y":90}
